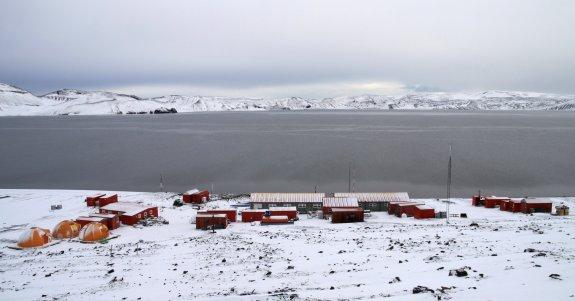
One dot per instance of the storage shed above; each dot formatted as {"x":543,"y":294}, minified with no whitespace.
{"x":514,"y":205}
{"x":477,"y":200}
{"x":536,"y":205}
{"x":211,"y":221}
{"x":253,"y":215}
{"x":392,"y":207}
{"x":375,"y":201}
{"x":423,"y":211}
{"x":290,"y":212}
{"x":195,"y":196}
{"x":338,"y":202}
{"x":130,"y":213}
{"x":304,"y":202}
{"x":346,"y":215}
{"x":112,"y":221}
{"x":494,"y":201}
{"x":231,"y":214}
{"x":276,"y":220}
{"x":406,"y":208}
{"x":101,"y":200}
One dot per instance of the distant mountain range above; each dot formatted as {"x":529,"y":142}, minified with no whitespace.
{"x":17,"y":102}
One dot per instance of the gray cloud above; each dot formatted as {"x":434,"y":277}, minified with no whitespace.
{"x":226,"y":47}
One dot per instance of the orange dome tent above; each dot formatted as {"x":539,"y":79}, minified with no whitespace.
{"x":94,"y":232}
{"x":66,"y":229}
{"x":34,"y":237}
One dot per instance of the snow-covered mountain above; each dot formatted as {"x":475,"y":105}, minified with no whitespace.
{"x":15,"y":101}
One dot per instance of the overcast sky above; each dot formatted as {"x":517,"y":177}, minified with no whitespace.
{"x":288,"y":48}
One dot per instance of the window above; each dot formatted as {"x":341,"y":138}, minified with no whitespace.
{"x":145,"y":214}
{"x":302,"y":205}
{"x":139,"y":215}
{"x":316,"y":205}
{"x":272,"y":205}
{"x":372,"y":205}
{"x":151,"y":212}
{"x":287,"y":205}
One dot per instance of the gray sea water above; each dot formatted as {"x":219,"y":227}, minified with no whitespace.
{"x":506,"y":153}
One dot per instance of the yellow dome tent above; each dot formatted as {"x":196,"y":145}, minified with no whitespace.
{"x":34,"y":237}
{"x":94,"y":232}
{"x":66,"y":229}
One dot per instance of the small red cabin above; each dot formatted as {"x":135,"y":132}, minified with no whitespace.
{"x":230,"y":213}
{"x":290,"y":212}
{"x":211,"y":221}
{"x":406,"y":208}
{"x":536,"y":205}
{"x":423,"y":211}
{"x":253,"y":215}
{"x":494,"y":201}
{"x":276,"y":220}
{"x":112,"y":221}
{"x":195,"y":196}
{"x":130,"y":213}
{"x":477,"y":200}
{"x":392,"y":206}
{"x":346,"y":215}
{"x":337,"y":202}
{"x":101,"y":200}
{"x":514,"y":205}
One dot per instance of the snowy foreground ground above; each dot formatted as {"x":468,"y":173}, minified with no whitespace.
{"x":312,"y":259}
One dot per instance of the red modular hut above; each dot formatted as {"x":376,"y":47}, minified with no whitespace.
{"x":406,"y":208}
{"x":230,"y":213}
{"x":514,"y":205}
{"x":253,"y":215}
{"x":337,"y":202}
{"x":276,"y":220}
{"x":290,"y":212}
{"x":130,"y":213}
{"x":477,"y":200}
{"x":423,"y":211}
{"x":392,"y":206}
{"x":84,"y":220}
{"x":211,"y":221}
{"x":112,"y":221}
{"x":504,"y":205}
{"x":101,"y":200}
{"x":195,"y":196}
{"x":346,"y":215}
{"x":536,"y":205}
{"x":494,"y":201}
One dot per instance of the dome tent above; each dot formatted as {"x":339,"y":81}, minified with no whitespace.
{"x":66,"y":229}
{"x":93,"y":232}
{"x":34,"y":237}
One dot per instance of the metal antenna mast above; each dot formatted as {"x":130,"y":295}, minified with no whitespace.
{"x":448,"y":185}
{"x":349,"y":178}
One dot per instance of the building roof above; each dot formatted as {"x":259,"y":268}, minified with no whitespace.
{"x":104,"y":215}
{"x":127,"y":208}
{"x":90,"y":218}
{"x":254,"y":210}
{"x":263,"y":197}
{"x":192,"y":191}
{"x":346,"y":209}
{"x":278,"y":217}
{"x":538,"y":201}
{"x":282,"y":209}
{"x":97,"y":196}
{"x":424,"y":207}
{"x":376,"y":197}
{"x":497,"y":197}
{"x":407,"y":204}
{"x":340,"y":202}
{"x":218,"y":215}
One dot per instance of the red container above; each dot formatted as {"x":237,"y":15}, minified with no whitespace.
{"x":217,"y":221}
{"x":392,"y":207}
{"x":503,"y":205}
{"x":422,"y":212}
{"x":112,"y":221}
{"x":346,"y":215}
{"x":276,"y":219}
{"x":494,"y":201}
{"x":406,"y":208}
{"x":536,"y":205}
{"x":253,"y":215}
{"x":230,"y":213}
{"x":290,"y":212}
{"x":129,"y":213}
{"x":84,"y":220}
{"x":477,"y":201}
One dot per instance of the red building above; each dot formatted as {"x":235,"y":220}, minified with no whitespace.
{"x":253,"y":215}
{"x":477,"y":200}
{"x":84,"y":220}
{"x":514,"y":205}
{"x":346,"y":215}
{"x":112,"y":221}
{"x":211,"y":221}
{"x":406,"y":208}
{"x":130,"y":213}
{"x":230,"y":213}
{"x":494,"y":201}
{"x":536,"y":205}
{"x":101,"y":200}
{"x":195,"y":196}
{"x":338,"y":202}
{"x":423,"y":211}
{"x":392,"y":206}
{"x":290,"y":212}
{"x":276,"y":220}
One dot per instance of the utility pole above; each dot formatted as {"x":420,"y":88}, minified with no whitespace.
{"x":161,"y":182}
{"x":349,"y":178}
{"x":448,"y":185}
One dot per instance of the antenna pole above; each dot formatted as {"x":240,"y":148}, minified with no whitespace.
{"x":448,"y":185}
{"x":349,"y":178}
{"x":161,"y":182}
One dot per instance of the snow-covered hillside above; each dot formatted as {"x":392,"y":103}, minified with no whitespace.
{"x":506,"y":256}
{"x":15,"y":101}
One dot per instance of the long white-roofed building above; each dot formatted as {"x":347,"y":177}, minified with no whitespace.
{"x":304,"y":202}
{"x":375,"y":201}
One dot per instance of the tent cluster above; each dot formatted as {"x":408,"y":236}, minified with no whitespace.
{"x":37,"y":237}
